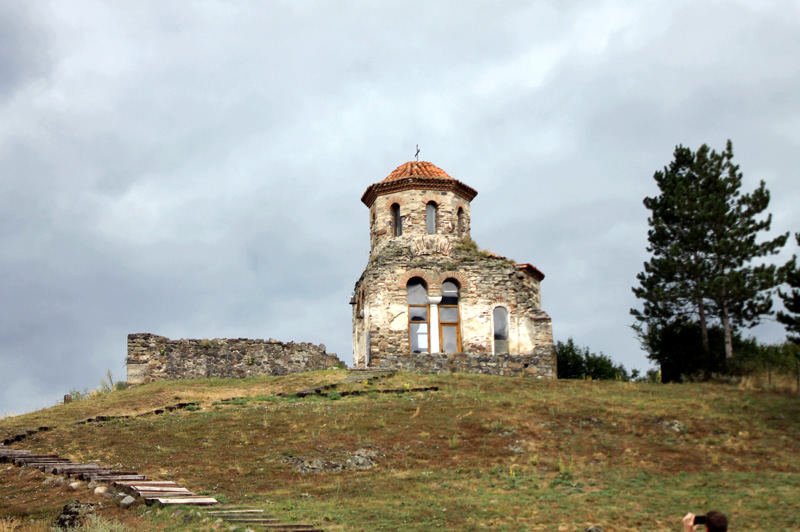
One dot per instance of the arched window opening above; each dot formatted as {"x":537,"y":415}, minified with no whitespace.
{"x":430,"y":217}
{"x":500,"y":319}
{"x":418,"y":319}
{"x":461,"y":222}
{"x":397,"y":220}
{"x":449,"y":326}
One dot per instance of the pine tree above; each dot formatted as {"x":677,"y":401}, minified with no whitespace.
{"x":791,"y":300}
{"x":672,"y":283}
{"x":703,"y":240}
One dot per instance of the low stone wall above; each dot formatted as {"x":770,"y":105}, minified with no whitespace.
{"x":540,"y":364}
{"x":154,"y":358}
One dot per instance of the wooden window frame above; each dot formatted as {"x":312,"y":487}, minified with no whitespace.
{"x":456,"y":324}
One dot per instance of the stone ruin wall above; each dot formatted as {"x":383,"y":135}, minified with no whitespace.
{"x":153,"y":358}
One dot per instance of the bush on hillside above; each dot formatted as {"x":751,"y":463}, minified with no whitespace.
{"x":577,"y":362}
{"x":754,"y":357}
{"x":678,"y":349}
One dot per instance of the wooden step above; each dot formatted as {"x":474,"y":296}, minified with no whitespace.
{"x":34,"y":456}
{"x":196,"y":500}
{"x":160,"y":494}
{"x":116,"y":478}
{"x":253,"y":520}
{"x":71,"y":465}
{"x":145,"y":484}
{"x":161,"y":489}
{"x":40,"y":462}
{"x":7,"y":455}
{"x":115,"y":472}
{"x":72,"y":469}
{"x":291,"y":525}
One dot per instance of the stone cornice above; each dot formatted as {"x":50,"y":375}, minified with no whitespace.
{"x":418,"y":183}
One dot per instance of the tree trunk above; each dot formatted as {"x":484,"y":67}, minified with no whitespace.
{"x":701,"y":310}
{"x":726,"y":325}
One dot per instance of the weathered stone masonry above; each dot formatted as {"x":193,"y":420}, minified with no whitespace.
{"x":153,"y":358}
{"x":420,"y":233}
{"x":501,"y":364}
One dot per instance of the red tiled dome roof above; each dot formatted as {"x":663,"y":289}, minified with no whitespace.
{"x":417,"y":169}
{"x":420,"y":175}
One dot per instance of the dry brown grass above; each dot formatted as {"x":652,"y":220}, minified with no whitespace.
{"x":776,"y":382}
{"x":16,"y":525}
{"x":481,"y":453}
{"x":156,"y":395}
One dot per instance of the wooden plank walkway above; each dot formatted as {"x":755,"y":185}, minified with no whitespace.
{"x":130,"y":482}
{"x":162,"y":492}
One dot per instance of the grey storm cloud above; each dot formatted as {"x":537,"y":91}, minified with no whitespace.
{"x":195,"y":170}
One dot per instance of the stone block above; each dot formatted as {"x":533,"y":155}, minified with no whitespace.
{"x":127,"y":502}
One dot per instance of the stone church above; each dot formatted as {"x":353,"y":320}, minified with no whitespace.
{"x":430,"y":300}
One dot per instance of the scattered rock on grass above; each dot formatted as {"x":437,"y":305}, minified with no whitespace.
{"x":360,"y":459}
{"x":317,"y":465}
{"x":74,"y":514}
{"x":672,"y":424}
{"x":127,"y":502}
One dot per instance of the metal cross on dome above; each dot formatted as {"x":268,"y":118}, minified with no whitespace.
{"x":417,"y":154}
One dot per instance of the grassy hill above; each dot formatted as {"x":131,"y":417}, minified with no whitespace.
{"x":481,"y":453}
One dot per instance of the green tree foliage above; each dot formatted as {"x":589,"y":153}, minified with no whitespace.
{"x":575,"y":362}
{"x":677,"y":346}
{"x":791,"y":300}
{"x":702,"y":237}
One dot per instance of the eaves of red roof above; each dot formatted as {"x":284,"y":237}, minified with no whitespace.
{"x":417,"y":175}
{"x":531,"y":270}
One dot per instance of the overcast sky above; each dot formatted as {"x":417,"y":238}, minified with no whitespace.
{"x":194,"y":169}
